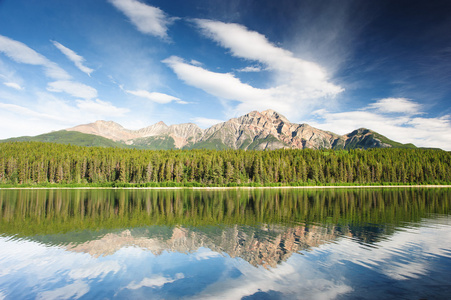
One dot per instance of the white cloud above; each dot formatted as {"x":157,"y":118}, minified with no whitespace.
{"x":250,"y":69}
{"x":26,"y":112}
{"x":73,"y":291}
{"x":147,"y":19}
{"x":227,"y":86}
{"x":95,"y":271}
{"x":74,"y":57}
{"x":73,"y":88}
{"x":404,"y":128}
{"x":195,"y":62}
{"x":155,"y":281}
{"x":100,"y":108}
{"x":299,"y":86}
{"x":252,"y":45}
{"x":156,"y":97}
{"x":13,"y":85}
{"x":205,"y":122}
{"x":222,"y":85}
{"x":396,"y":105}
{"x":21,"y":53}
{"x":203,"y":254}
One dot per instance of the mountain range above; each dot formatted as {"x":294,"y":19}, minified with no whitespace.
{"x":253,"y":131}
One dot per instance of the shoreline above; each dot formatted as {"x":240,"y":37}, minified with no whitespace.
{"x":232,"y":188}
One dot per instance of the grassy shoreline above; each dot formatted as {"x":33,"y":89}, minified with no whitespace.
{"x":359,"y":186}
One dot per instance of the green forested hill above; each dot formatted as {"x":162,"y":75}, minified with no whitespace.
{"x":36,"y":162}
{"x":69,"y":137}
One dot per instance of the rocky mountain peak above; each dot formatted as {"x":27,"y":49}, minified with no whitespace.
{"x":256,"y":130}
{"x":107,"y":129}
{"x":275,"y":116}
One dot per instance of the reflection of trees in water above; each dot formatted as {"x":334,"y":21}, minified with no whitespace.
{"x":30,"y":212}
{"x":264,"y":227}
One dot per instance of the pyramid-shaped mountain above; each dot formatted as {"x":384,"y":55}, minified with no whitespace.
{"x":253,"y":131}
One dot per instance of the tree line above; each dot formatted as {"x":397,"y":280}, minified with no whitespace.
{"x":42,"y":163}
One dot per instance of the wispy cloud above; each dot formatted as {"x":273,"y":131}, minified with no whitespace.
{"x":252,"y":45}
{"x":76,"y":89}
{"x":147,"y":19}
{"x":27,"y":113}
{"x":74,"y":290}
{"x":222,"y":85}
{"x":21,"y":53}
{"x":13,"y":85}
{"x":250,"y":69}
{"x":100,"y":108}
{"x":206,"y":122}
{"x":155,"y":281}
{"x":396,"y":105}
{"x":405,"y":126}
{"x":74,"y":57}
{"x":156,"y":97}
{"x":299,"y":86}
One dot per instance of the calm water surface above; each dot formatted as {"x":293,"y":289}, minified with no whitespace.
{"x":233,"y":244}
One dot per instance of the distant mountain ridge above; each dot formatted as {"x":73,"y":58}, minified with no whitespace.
{"x":253,"y":131}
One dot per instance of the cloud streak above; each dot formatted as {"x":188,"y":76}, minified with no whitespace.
{"x":147,"y":19}
{"x":156,"y":97}
{"x":76,"y":89}
{"x":206,"y":122}
{"x":396,"y":105}
{"x":13,"y":85}
{"x":298,"y":87}
{"x":74,"y":57}
{"x":222,"y":85}
{"x":249,"y":69}
{"x":254,"y":46}
{"x":100,"y":108}
{"x":21,"y":53}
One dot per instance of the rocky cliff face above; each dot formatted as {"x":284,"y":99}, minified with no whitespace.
{"x":255,"y":130}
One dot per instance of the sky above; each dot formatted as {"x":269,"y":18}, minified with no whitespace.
{"x":335,"y":65}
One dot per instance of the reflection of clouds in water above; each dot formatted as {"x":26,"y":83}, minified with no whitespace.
{"x":294,"y":281}
{"x":321,"y":273}
{"x":204,"y":253}
{"x":38,"y":266}
{"x":74,"y":290}
{"x":403,"y":255}
{"x":98,"y":270}
{"x":154,"y":281}
{"x":34,"y":261}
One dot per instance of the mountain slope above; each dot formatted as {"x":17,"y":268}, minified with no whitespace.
{"x":253,"y":131}
{"x":66,"y":137}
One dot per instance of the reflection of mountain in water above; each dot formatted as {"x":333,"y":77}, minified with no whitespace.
{"x":266,"y":246}
{"x":227,"y":221}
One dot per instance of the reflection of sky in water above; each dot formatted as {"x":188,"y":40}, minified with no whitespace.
{"x":413,"y":263}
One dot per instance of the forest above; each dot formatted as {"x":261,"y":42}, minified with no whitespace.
{"x":36,"y":163}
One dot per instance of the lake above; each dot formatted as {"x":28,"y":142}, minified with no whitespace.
{"x":381,"y":243}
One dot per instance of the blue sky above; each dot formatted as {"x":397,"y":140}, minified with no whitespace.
{"x":336,"y":65}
